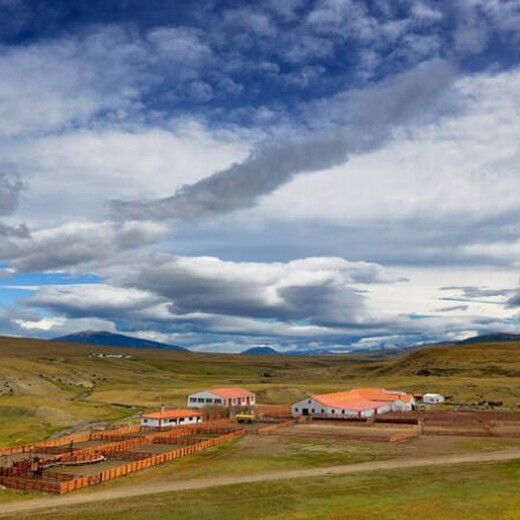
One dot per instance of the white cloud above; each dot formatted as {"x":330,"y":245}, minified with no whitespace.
{"x":59,"y":325}
{"x":75,"y":243}
{"x":465,"y":166}
{"x":47,"y":86}
{"x":73,"y":175}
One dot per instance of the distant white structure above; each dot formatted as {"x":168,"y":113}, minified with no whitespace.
{"x":171,"y":418}
{"x":359,"y":403}
{"x":433,"y":398}
{"x":222,"y":397}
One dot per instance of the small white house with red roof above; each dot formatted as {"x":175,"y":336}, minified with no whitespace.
{"x":171,"y":418}
{"x":227,"y":397}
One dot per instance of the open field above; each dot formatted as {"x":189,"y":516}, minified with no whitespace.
{"x":47,"y":388}
{"x":255,"y":455}
{"x":440,"y":488}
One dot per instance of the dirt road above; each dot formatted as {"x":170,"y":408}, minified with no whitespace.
{"x":163,"y":487}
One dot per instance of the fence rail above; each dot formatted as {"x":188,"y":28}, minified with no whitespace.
{"x":59,"y":483}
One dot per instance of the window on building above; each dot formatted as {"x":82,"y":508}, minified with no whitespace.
{"x":193,"y":399}
{"x":209,"y":400}
{"x":218,"y":401}
{"x":332,"y":411}
{"x":342,"y":411}
{"x":313,"y":410}
{"x":145,"y":420}
{"x":322,"y":410}
{"x":200,"y":400}
{"x":296,"y":409}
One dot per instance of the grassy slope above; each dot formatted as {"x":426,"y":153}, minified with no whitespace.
{"x":477,"y":492}
{"x":52,"y":386}
{"x":56,"y":386}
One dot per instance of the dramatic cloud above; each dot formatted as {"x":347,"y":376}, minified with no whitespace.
{"x":10,"y":188}
{"x":319,"y":290}
{"x":77,"y":243}
{"x":282,"y":138}
{"x":374,"y":113}
{"x":91,"y":300}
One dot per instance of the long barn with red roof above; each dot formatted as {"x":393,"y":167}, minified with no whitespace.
{"x":359,"y":403}
{"x":227,"y":397}
{"x":171,"y":418}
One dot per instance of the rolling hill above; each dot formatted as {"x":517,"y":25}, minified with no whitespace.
{"x":48,"y":386}
{"x":261,"y":351}
{"x":109,"y":339}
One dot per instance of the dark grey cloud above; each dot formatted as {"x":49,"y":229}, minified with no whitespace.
{"x":207,"y":301}
{"x":76,"y":243}
{"x":373,"y":114}
{"x":514,"y":301}
{"x":453,"y":308}
{"x":92,"y":300}
{"x":10,"y":189}
{"x":472,"y":292}
{"x":320,"y":291}
{"x":479,"y":294}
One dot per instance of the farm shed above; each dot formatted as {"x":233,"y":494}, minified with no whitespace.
{"x":354,"y":404}
{"x":433,"y":398}
{"x":222,"y":397}
{"x":171,"y":418}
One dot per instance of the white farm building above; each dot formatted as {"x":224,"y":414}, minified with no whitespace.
{"x":227,"y":397}
{"x":354,"y":404}
{"x":433,"y":398}
{"x":171,"y":418}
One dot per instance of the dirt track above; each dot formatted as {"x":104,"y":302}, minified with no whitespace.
{"x":163,"y":487}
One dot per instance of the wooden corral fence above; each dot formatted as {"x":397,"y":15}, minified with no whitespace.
{"x":58,"y":483}
{"x":123,"y":433}
{"x":404,"y":436}
{"x":271,"y":429}
{"x":273,"y":410}
{"x":108,"y":434}
{"x":125,"y":469}
{"x":51,"y":443}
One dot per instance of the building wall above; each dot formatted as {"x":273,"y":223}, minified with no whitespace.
{"x":202,"y":399}
{"x":169,"y":423}
{"x":433,"y":398}
{"x":400,"y":406}
{"x":313,"y":408}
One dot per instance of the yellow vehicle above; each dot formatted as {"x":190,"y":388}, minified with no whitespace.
{"x":244,"y":417}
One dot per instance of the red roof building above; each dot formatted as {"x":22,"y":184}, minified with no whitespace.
{"x":171,"y":418}
{"x":357,"y":403}
{"x":232,"y":396}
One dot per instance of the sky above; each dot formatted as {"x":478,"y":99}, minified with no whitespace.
{"x":221,"y":174}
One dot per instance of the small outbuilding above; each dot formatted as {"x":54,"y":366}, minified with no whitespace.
{"x":171,"y":418}
{"x":433,"y":398}
{"x":226,"y":397}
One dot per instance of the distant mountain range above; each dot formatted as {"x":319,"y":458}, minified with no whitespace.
{"x":109,"y":339}
{"x":271,"y":351}
{"x":261,"y":351}
{"x":497,"y":337}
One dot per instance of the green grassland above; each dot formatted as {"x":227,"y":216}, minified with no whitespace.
{"x":476,"y":492}
{"x":50,"y":387}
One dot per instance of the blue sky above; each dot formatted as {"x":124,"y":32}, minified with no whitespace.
{"x":303,"y":174}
